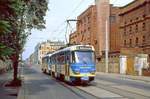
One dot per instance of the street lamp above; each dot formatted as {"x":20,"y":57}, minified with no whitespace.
{"x":106,"y":48}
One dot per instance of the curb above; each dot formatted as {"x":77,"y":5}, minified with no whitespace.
{"x":21,"y":93}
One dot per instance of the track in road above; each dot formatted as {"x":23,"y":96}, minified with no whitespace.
{"x":40,"y":86}
{"x":122,"y":92}
{"x":77,"y":91}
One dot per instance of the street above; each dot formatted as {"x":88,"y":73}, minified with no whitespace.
{"x":129,"y":88}
{"x":41,"y":86}
{"x":37,"y":85}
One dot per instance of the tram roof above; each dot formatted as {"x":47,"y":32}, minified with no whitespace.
{"x":74,"y":47}
{"x":47,"y":55}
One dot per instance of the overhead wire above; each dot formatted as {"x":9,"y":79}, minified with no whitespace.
{"x":61,"y":27}
{"x":64,"y":22}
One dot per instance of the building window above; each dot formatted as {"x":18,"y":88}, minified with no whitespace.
{"x":137,"y":41}
{"x":125,"y":42}
{"x":144,"y":26}
{"x":130,"y":29}
{"x":144,"y":39}
{"x":89,"y":19}
{"x":125,"y":31}
{"x":136,"y":28}
{"x":84,"y":20}
{"x":40,"y":48}
{"x":130,"y":42}
{"x":144,"y":16}
{"x":125,"y":22}
{"x":95,"y":41}
{"x":88,"y":28}
{"x":113,"y":18}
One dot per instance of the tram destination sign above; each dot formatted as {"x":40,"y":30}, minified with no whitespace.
{"x":85,"y":48}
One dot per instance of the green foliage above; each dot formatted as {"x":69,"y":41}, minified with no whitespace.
{"x":5,"y":51}
{"x":17,"y":6}
{"x":35,"y":13}
{"x":18,"y":17}
{"x":4,"y":27}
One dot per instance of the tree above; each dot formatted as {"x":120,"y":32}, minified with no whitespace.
{"x":17,"y":18}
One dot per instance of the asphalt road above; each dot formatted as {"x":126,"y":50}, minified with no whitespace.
{"x":38,"y":85}
{"x":41,"y":86}
{"x":119,"y":81}
{"x":131,"y":89}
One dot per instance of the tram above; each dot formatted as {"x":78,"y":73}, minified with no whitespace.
{"x":45,"y":67}
{"x":73,"y":64}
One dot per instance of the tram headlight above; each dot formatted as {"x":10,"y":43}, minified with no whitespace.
{"x":93,"y":72}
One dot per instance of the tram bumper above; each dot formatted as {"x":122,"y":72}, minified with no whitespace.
{"x":82,"y":79}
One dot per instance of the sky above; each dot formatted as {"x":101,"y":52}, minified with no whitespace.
{"x":56,"y":25}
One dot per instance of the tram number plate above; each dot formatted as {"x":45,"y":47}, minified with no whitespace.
{"x":85,"y":78}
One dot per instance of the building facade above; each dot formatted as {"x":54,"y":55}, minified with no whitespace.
{"x":135,"y":26}
{"x":45,"y":47}
{"x":103,"y":13}
{"x":91,"y":28}
{"x":32,"y":58}
{"x":73,"y":38}
{"x":86,"y":28}
{"x":114,"y":42}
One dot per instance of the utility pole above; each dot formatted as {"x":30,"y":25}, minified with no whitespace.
{"x":68,"y":24}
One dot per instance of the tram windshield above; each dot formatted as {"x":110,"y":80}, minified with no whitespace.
{"x":84,"y":57}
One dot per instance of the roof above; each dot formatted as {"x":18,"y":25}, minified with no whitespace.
{"x":129,"y":4}
{"x":72,"y":48}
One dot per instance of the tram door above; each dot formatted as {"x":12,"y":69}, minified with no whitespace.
{"x":67,"y":70}
{"x":67,"y":64}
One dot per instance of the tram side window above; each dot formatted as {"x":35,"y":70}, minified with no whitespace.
{"x":73,"y":57}
{"x":61,"y":58}
{"x":49,"y":61}
{"x":53,"y":59}
{"x":67,"y":59}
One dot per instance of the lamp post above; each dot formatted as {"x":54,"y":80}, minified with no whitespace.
{"x":106,"y":48}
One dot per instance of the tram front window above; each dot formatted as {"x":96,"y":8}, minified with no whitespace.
{"x":83,"y":57}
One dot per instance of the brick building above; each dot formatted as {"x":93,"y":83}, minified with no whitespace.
{"x":86,"y":28}
{"x":90,"y":29}
{"x":115,"y":35}
{"x":73,"y":38}
{"x":135,"y":26}
{"x":103,"y":13}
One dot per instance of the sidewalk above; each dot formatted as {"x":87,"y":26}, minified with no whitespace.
{"x":7,"y":92}
{"x":140,"y":78}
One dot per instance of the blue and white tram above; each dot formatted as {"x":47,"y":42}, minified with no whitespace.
{"x":74,"y":64}
{"x":45,"y":67}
